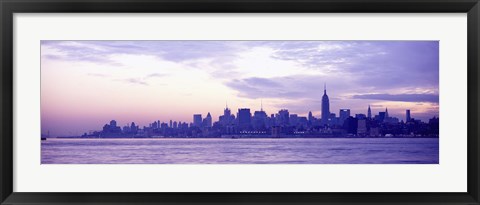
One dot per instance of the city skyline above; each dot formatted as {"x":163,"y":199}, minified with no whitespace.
{"x":86,"y":83}
{"x":327,"y":120}
{"x":248,"y":123}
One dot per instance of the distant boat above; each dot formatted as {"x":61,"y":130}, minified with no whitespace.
{"x":44,"y":138}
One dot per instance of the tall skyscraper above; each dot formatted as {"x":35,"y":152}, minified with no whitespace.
{"x":369,"y":115}
{"x":227,"y":118}
{"x":343,"y":114}
{"x":325,"y":106}
{"x":197,"y":120}
{"x":113,"y":123}
{"x":283,"y":117}
{"x":208,"y":120}
{"x":244,"y":118}
{"x":407,"y":115}
{"x":259,"y":119}
{"x":310,"y":116}
{"x":386,"y":113}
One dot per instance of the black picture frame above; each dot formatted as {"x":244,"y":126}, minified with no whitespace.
{"x":9,"y":7}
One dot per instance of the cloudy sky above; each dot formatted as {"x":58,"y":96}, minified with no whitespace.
{"x":85,"y":84}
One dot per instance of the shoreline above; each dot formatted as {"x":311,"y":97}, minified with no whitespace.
{"x":239,"y":138}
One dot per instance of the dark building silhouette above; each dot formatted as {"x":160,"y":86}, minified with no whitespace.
{"x":260,"y":120}
{"x":310,"y":117}
{"x":343,"y":115}
{"x":197,"y":120}
{"x":244,"y":118}
{"x":283,"y":117}
{"x":381,"y":116}
{"x":369,"y":113}
{"x":227,"y":118}
{"x":407,"y":113}
{"x":350,"y":125}
{"x":325,"y":106}
{"x":360,"y":116}
{"x":281,"y":124}
{"x":207,"y":122}
{"x":111,"y":128}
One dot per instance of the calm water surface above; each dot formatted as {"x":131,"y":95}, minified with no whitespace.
{"x":242,"y":151}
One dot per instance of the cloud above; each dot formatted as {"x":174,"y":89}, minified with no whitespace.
{"x":373,"y":65}
{"x":400,"y":97}
{"x":156,"y":75}
{"x":376,"y":64}
{"x":98,"y":75}
{"x":136,"y":81}
{"x":217,"y":53}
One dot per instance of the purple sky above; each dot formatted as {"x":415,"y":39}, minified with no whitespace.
{"x":87,"y":83}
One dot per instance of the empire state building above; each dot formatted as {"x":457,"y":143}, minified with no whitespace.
{"x":325,"y":106}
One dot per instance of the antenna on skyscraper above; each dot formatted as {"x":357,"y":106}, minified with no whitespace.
{"x":261,"y":105}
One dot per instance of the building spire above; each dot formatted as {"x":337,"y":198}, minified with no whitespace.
{"x":369,"y":114}
{"x":261,"y":105}
{"x":325,"y":88}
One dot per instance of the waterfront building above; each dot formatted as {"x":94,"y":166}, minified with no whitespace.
{"x":244,"y":118}
{"x":381,"y":116}
{"x":325,"y":107}
{"x":283,"y":118}
{"x":333,"y":119}
{"x":227,"y":118}
{"x":302,"y":122}
{"x":197,"y":120}
{"x":350,"y":125}
{"x":374,"y":132}
{"x":343,"y":115}
{"x":407,"y":113}
{"x":310,"y":117}
{"x":276,"y":131}
{"x":111,"y":128}
{"x":361,"y":127}
{"x":133,"y":128}
{"x":259,"y":120}
{"x":113,"y":123}
{"x":208,"y":120}
{"x":360,"y":116}
{"x":293,"y":120}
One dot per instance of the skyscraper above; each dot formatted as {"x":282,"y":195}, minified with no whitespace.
{"x":369,"y":115}
{"x":386,"y":112}
{"x":227,"y":118}
{"x":244,"y":118}
{"x":310,"y":116}
{"x":407,"y":115}
{"x":344,"y":114}
{"x":208,"y":120}
{"x":259,"y":119}
{"x":325,"y":106}
{"x":283,"y":117}
{"x":197,"y":120}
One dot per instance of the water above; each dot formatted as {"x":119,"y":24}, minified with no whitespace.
{"x":242,"y":151}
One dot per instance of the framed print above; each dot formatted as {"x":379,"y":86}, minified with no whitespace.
{"x":239,"y":102}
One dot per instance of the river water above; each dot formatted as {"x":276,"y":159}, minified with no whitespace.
{"x":242,"y":151}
